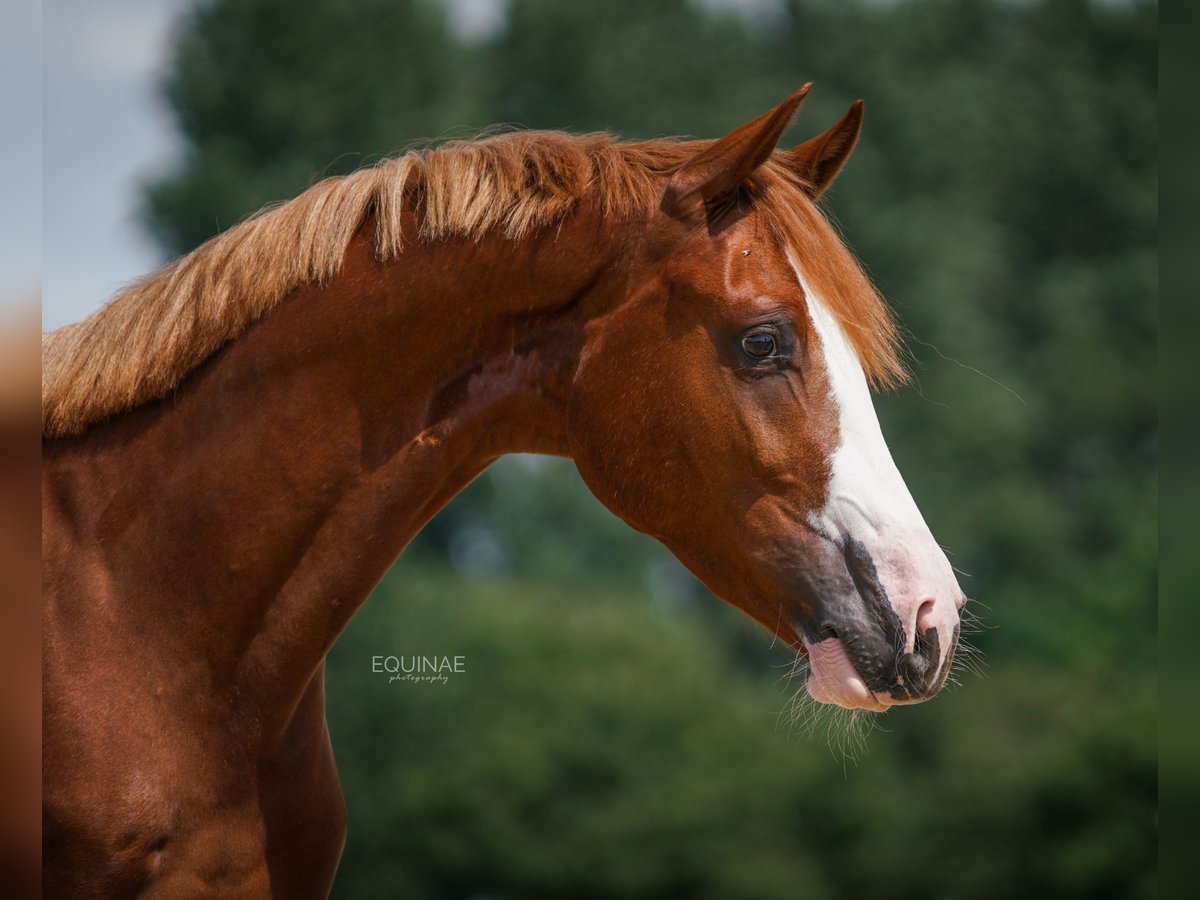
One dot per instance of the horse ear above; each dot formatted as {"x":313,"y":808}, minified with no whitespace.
{"x":721,"y":167}
{"x":819,"y":159}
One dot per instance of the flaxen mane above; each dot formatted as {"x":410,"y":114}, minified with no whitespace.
{"x":142,"y":344}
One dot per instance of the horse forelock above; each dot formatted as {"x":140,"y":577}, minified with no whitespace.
{"x":150,"y":336}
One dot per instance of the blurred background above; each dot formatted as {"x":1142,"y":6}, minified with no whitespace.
{"x":618,"y":732}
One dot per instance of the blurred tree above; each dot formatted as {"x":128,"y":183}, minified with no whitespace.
{"x":271,"y":95}
{"x":595,"y":748}
{"x":591,"y":749}
{"x":1004,"y":197}
{"x":642,"y":70}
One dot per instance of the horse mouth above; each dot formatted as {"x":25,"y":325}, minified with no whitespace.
{"x":862,"y":655}
{"x":834,"y":676}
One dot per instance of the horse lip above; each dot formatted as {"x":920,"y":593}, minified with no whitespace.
{"x":882,"y":687}
{"x":834,"y":677}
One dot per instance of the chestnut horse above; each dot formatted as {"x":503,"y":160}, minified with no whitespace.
{"x":238,"y":447}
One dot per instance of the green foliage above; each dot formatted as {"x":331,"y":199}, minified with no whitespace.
{"x":583,"y":753}
{"x":1004,"y":196}
{"x":271,"y":94}
{"x":599,"y":747}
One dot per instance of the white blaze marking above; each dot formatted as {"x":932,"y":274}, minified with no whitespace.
{"x":868,"y":499}
{"x":866,"y":492}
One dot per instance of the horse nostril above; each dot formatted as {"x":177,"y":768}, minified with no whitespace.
{"x":914,"y":672}
{"x":925,"y":617}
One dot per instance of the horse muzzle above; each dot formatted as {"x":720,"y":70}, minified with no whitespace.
{"x":869,"y":648}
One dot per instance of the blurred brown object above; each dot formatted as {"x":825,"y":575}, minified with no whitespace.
{"x":20,"y":636}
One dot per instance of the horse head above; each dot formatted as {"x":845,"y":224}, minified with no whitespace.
{"x":723,"y":406}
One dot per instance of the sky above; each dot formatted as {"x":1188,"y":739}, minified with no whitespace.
{"x":20,"y":156}
{"x":104,"y":130}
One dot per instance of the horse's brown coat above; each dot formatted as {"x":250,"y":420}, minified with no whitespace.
{"x":203,"y":550}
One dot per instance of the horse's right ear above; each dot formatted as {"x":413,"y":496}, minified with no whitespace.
{"x":723,"y":166}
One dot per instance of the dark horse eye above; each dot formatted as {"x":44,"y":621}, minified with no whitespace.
{"x":760,"y":346}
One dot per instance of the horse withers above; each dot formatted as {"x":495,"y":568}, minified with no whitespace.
{"x":238,"y":447}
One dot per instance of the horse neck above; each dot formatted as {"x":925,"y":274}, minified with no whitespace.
{"x":265,"y":498}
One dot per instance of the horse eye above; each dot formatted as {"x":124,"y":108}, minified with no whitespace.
{"x":759,"y":346}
